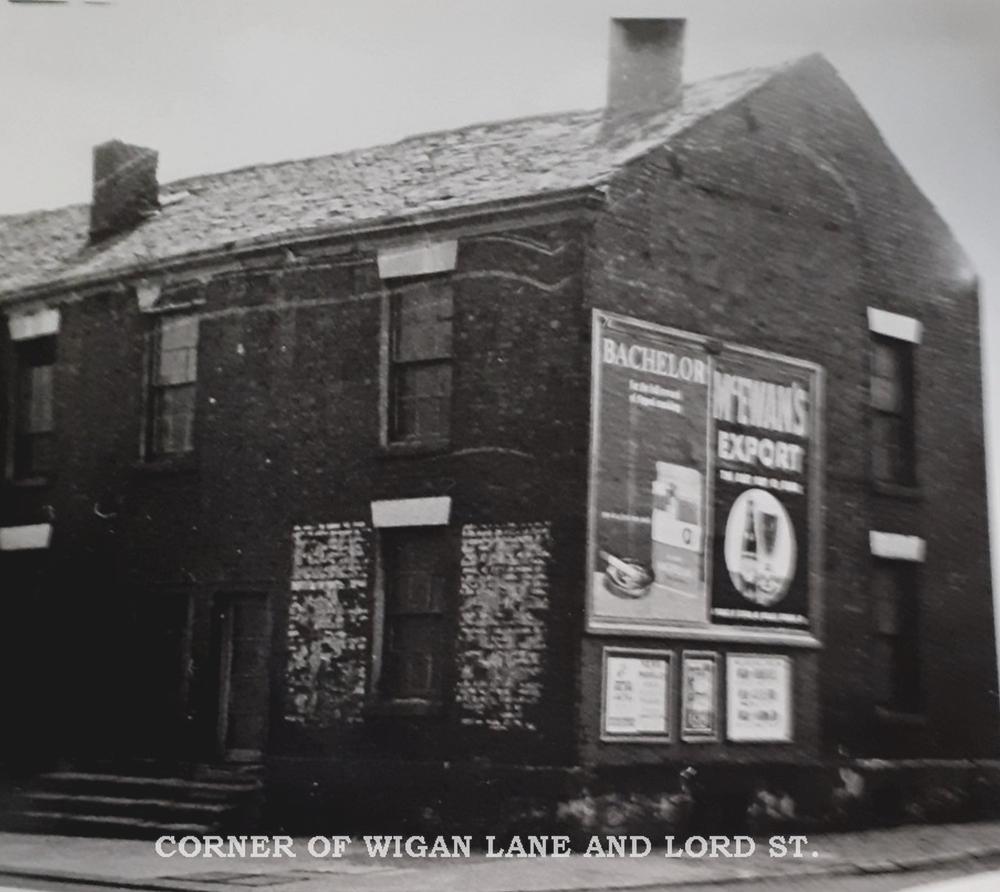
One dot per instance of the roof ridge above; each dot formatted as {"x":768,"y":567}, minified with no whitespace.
{"x":191,"y":181}
{"x":358,"y":150}
{"x":435,"y":172}
{"x":41,"y":212}
{"x":476,"y":125}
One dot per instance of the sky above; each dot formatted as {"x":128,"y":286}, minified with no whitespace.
{"x":217,"y":84}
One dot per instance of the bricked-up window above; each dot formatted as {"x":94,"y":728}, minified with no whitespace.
{"x":415,"y":563}
{"x":173,"y":377}
{"x":420,"y":361}
{"x":892,"y":411}
{"x":896,"y":608}
{"x":34,"y":418}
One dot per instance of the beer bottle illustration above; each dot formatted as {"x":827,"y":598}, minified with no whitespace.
{"x":748,"y":552}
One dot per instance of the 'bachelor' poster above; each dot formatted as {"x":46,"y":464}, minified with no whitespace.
{"x":702,"y":482}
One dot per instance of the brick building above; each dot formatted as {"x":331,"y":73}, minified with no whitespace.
{"x":583,"y":445}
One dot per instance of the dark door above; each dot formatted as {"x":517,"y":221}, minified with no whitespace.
{"x":158,"y":676}
{"x":242,"y":651}
{"x":33,"y":633}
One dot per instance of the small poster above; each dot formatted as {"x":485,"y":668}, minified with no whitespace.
{"x":759,"y":698}
{"x":636,"y":695}
{"x":699,"y":696}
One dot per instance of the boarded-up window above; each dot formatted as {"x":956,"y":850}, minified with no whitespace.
{"x":892,"y":411}
{"x":34,"y":428}
{"x":896,"y":615}
{"x":416,"y":614}
{"x":173,"y":376}
{"x":420,"y":374}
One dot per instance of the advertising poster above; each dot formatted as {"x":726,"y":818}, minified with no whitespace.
{"x":699,"y":696}
{"x":701,"y":484}
{"x":649,"y":483}
{"x":762,"y":412}
{"x":758,"y":698}
{"x":636,"y":694}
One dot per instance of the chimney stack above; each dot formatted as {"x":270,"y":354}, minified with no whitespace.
{"x":645,"y":65}
{"x":125,"y":188}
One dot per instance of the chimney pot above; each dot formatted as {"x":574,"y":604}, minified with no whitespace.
{"x":125,"y":188}
{"x":645,"y":65}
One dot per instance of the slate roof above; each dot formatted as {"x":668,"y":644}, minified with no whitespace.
{"x":448,"y":170}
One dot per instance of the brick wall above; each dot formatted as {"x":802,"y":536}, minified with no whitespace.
{"x":287,"y":436}
{"x":775,"y":224}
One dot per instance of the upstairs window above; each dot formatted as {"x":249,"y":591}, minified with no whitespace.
{"x":415,"y":563}
{"x":34,"y":417}
{"x":173,"y":378}
{"x":420,"y":361}
{"x":894,"y":596}
{"x":892,"y":411}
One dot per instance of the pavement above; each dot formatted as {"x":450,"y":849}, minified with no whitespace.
{"x":131,"y":864}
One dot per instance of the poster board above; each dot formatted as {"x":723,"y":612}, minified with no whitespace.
{"x":636,"y":695}
{"x":704,"y":485}
{"x":699,"y":696}
{"x":759,"y":698}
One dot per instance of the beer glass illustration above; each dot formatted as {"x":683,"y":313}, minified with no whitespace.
{"x":677,"y":534}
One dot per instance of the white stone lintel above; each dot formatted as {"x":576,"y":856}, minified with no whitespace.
{"x":897,"y":547}
{"x":39,"y":324}
{"x":421,"y":259}
{"x":36,"y":535}
{"x":428,"y":512}
{"x":893,"y":325}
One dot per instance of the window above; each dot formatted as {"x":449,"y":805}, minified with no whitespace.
{"x":173,"y":375}
{"x":34,"y":425}
{"x":896,"y":624}
{"x":420,"y":370}
{"x":892,"y":411}
{"x":415,"y":563}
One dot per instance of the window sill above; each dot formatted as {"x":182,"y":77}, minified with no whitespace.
{"x":176,"y":464}
{"x":904,"y":491}
{"x":890,"y":716}
{"x":403,"y":708}
{"x":415,"y":448}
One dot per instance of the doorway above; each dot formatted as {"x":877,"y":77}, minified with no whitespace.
{"x":155,"y":687}
{"x":241,"y":644}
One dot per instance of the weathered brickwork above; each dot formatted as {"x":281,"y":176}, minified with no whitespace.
{"x":504,"y":592}
{"x":328,"y":620}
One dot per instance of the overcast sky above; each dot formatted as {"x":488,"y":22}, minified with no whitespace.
{"x":215,"y":84}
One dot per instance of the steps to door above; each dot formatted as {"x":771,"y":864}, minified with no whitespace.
{"x":129,"y":804}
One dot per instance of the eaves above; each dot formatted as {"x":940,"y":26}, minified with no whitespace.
{"x":565,"y":202}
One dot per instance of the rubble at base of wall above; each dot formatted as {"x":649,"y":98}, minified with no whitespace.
{"x":479,"y":799}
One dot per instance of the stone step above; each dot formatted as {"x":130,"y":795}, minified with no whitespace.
{"x":235,"y":772}
{"x":222,"y":772}
{"x":179,"y":810}
{"x":132,"y":804}
{"x":100,"y":825}
{"x":144,"y":786}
